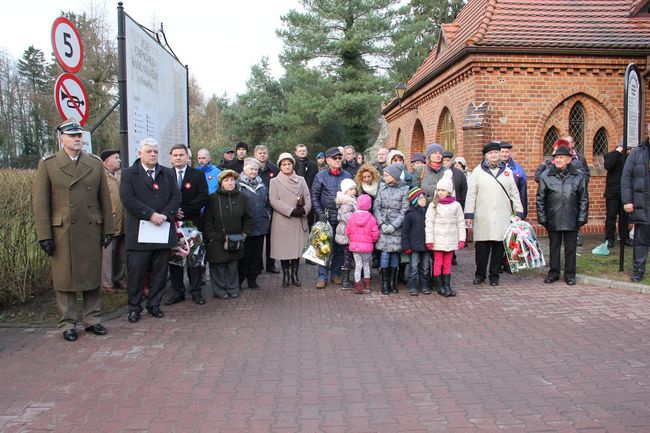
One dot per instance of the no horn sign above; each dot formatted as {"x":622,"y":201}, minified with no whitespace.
{"x":71,"y":98}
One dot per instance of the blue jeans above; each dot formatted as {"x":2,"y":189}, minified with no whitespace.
{"x":420,"y":265}
{"x":336,"y":260}
{"x":389,"y":260}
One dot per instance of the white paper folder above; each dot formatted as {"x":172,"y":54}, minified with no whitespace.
{"x":150,"y":233}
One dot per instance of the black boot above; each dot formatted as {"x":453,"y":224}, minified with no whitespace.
{"x":285,"y":273}
{"x":393,"y":280}
{"x":446,"y":282}
{"x":295,"y":267}
{"x":437,"y":285}
{"x":345,"y":279}
{"x":401,"y":277}
{"x":639,"y":257}
{"x":384,"y":273}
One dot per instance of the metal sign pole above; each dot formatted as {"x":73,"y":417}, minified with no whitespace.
{"x":121,"y":81}
{"x":631,"y":125}
{"x":187,"y":102}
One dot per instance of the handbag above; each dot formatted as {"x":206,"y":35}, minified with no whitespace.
{"x":235,"y":241}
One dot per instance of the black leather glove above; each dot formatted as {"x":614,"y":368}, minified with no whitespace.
{"x":299,"y":211}
{"x":48,"y":246}
{"x":106,"y":240}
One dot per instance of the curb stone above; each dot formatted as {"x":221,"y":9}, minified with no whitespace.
{"x":613,"y":284}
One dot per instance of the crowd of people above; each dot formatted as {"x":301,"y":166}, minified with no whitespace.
{"x":253,"y":213}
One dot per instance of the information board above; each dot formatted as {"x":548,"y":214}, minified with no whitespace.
{"x":156,"y":93}
{"x":632,"y":106}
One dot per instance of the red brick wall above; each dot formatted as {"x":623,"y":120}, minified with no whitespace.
{"x":527,"y":95}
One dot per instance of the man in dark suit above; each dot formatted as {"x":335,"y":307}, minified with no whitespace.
{"x":194,"y":196}
{"x":151,"y":197}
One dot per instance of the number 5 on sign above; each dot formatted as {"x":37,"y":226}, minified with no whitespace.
{"x":66,"y":44}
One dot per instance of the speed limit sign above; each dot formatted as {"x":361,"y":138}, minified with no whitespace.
{"x":67,"y":46}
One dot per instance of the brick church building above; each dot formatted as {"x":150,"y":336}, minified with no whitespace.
{"x":528,"y":72}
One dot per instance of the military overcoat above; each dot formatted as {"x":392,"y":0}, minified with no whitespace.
{"x":72,"y":206}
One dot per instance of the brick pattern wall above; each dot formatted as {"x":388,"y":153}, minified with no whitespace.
{"x":526,"y":96}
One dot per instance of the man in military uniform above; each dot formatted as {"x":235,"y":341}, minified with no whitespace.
{"x":114,"y":256}
{"x":72,"y":209}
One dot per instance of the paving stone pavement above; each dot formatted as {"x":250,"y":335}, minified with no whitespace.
{"x":522,"y":357}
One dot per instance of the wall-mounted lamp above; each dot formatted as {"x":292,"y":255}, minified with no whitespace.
{"x":400,"y":88}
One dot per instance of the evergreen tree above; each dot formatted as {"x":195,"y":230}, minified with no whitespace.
{"x":418,"y":32}
{"x":349,"y":41}
{"x":255,"y":113}
{"x":34,"y":135}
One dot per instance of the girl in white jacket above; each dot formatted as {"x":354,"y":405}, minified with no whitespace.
{"x":445,"y":232}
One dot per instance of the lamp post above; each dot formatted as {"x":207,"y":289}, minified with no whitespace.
{"x":400,"y":88}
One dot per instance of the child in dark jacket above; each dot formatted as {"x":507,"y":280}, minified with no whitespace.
{"x":413,"y":243}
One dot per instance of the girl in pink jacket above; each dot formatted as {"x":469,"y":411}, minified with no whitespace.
{"x":363,"y":232}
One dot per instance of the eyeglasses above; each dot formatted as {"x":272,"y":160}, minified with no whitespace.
{"x":337,"y":157}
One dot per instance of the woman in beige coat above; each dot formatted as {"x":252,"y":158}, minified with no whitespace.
{"x":291,"y":203}
{"x":492,"y":198}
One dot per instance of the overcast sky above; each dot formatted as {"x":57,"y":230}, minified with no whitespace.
{"x":219,"y":40}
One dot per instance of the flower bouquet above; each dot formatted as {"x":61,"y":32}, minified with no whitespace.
{"x":319,"y":244}
{"x":521,"y":246}
{"x":190,"y":250}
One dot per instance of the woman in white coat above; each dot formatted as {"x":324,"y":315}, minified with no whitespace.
{"x":492,"y":198}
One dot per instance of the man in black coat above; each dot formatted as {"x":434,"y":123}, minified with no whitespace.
{"x":614,"y":162}
{"x":635,"y":184}
{"x":350,"y":163}
{"x":228,"y":157}
{"x":308,"y":169}
{"x":305,"y":167}
{"x":237,"y":164}
{"x":194,"y":196}
{"x":150,"y":195}
{"x":562,"y":203}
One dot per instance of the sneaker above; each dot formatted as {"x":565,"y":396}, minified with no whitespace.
{"x":320,"y":284}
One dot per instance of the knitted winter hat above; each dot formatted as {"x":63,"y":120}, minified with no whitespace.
{"x":446,"y":182}
{"x":395,"y":170}
{"x":417,"y":156}
{"x":434,"y":147}
{"x":392,"y":153}
{"x":461,"y":160}
{"x":364,"y":202}
{"x":414,"y":194}
{"x":347,"y":184}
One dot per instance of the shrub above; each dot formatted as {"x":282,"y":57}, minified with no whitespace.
{"x":24,"y":267}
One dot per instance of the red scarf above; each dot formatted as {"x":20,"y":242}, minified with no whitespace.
{"x":435,"y":165}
